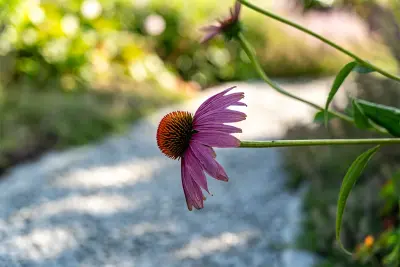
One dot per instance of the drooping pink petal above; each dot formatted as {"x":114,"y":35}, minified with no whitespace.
{"x":217,"y":127}
{"x":206,"y":156}
{"x":224,"y":116}
{"x":204,"y":107}
{"x":195,"y":169}
{"x":192,"y":191}
{"x":216,"y":139}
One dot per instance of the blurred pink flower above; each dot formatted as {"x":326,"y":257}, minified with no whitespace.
{"x":191,"y":138}
{"x":229,"y":25}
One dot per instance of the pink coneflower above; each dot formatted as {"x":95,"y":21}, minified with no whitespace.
{"x":191,"y":138}
{"x":229,"y":26}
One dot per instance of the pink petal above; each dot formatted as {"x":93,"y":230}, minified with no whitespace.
{"x":213,"y":152}
{"x":224,"y":116}
{"x":203,"y":107}
{"x":237,"y":10}
{"x":217,"y":127}
{"x":208,"y":37}
{"x":192,"y":191}
{"x":227,"y":101}
{"x":211,"y":32}
{"x":222,"y":103}
{"x":216,"y":139}
{"x":195,"y":169}
{"x":206,"y":157}
{"x":221,"y":174}
{"x":209,"y":28}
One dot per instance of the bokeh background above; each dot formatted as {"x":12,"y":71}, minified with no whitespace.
{"x":73,"y":72}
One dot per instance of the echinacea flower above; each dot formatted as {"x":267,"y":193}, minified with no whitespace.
{"x":180,"y":135}
{"x":229,"y":26}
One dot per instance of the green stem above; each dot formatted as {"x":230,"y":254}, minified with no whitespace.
{"x":323,"y":39}
{"x":250,"y":53}
{"x":319,"y":142}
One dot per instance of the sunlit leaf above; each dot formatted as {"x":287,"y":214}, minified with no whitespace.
{"x":349,"y":180}
{"x":360,"y":119}
{"x":387,"y":117}
{"x":342,"y":75}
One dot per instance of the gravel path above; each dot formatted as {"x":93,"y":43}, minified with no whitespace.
{"x":120,"y":202}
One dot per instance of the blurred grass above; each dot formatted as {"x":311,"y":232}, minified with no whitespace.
{"x":34,"y":122}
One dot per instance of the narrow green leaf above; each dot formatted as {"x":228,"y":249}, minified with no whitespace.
{"x":384,"y":116}
{"x":360,"y":119}
{"x":319,"y":117}
{"x":363,"y":69}
{"x":342,"y":75}
{"x":349,"y":180}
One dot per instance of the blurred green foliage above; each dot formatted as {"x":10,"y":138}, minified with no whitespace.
{"x":371,"y":226}
{"x":371,"y":209}
{"x":72,"y":72}
{"x":385,"y":247}
{"x":89,"y":41}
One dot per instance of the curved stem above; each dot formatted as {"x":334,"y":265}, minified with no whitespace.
{"x":250,"y":53}
{"x":318,"y":142}
{"x":323,"y":39}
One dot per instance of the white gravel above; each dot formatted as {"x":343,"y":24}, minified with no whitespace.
{"x":120,"y":202}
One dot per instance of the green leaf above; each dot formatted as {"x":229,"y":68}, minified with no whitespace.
{"x":360,"y":119}
{"x":319,"y":117}
{"x":349,"y":180}
{"x":363,"y":69}
{"x":342,"y":75}
{"x":396,"y":184}
{"x":393,"y":258}
{"x":384,"y":116}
